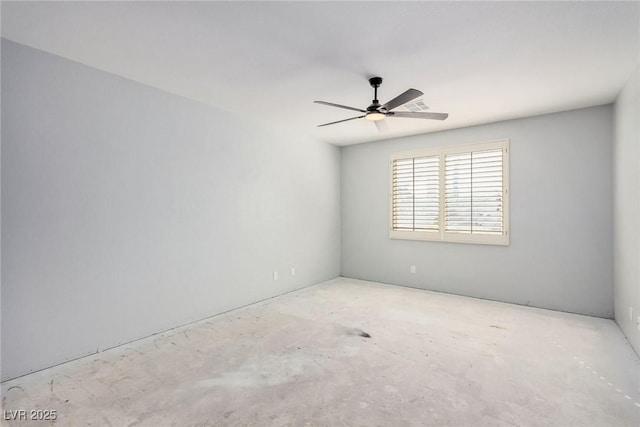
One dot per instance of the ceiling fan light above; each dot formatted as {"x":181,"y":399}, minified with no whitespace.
{"x":374,"y":116}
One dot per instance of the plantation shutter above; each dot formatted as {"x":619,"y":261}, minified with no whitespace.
{"x":416,"y":194}
{"x":457,"y":193}
{"x":474,"y":192}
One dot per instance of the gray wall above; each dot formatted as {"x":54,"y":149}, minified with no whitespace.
{"x":560,"y":253}
{"x":127,"y":210}
{"x":627,"y":210}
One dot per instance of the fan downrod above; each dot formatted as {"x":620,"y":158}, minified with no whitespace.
{"x":375,"y":83}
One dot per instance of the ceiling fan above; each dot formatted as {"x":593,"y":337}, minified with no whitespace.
{"x":376,"y":112}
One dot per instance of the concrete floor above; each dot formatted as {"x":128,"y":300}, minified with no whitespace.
{"x":300,"y":360}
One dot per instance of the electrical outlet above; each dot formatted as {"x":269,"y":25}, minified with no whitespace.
{"x":275,"y":275}
{"x":293,"y":271}
{"x":413,"y":269}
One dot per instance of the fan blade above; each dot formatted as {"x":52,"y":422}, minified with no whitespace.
{"x":340,"y":121}
{"x":403,"y":98}
{"x":382,"y":126}
{"x":330,"y":104}
{"x":433,"y":116}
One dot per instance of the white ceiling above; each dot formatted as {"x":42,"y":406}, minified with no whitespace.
{"x":480,"y":62}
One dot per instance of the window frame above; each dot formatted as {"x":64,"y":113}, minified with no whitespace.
{"x":441,"y":235}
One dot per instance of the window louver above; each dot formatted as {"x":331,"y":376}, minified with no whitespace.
{"x":416,"y":194}
{"x":473,"y":194}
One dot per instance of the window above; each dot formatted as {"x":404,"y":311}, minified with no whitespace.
{"x":455,"y":194}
